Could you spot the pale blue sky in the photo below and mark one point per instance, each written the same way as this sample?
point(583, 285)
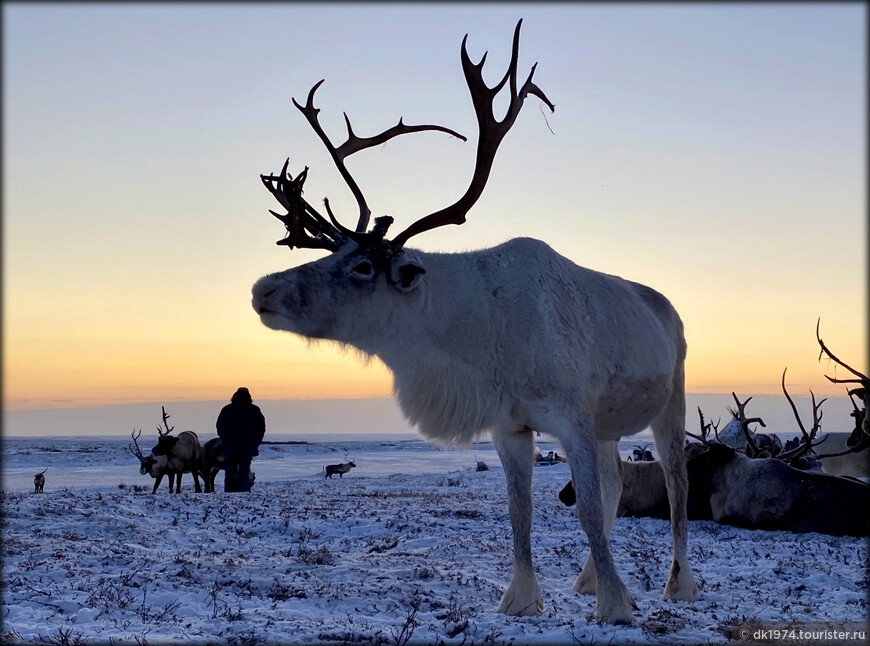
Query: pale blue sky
point(714, 152)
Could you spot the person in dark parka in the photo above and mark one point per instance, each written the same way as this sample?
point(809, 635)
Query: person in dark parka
point(241, 427)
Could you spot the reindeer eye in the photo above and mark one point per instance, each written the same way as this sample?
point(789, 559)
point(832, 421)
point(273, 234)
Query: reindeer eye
point(363, 269)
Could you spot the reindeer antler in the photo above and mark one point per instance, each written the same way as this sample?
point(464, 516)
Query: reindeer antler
point(806, 443)
point(862, 393)
point(307, 228)
point(862, 379)
point(355, 144)
point(740, 415)
point(137, 451)
point(705, 430)
point(491, 133)
point(169, 428)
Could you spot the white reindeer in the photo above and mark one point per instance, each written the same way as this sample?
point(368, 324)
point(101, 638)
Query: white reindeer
point(510, 340)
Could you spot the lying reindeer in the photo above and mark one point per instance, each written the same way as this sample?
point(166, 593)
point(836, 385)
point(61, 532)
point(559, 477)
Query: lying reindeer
point(39, 481)
point(762, 493)
point(730, 488)
point(340, 469)
point(759, 493)
point(172, 456)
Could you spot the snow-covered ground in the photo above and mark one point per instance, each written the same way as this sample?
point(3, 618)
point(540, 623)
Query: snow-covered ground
point(412, 543)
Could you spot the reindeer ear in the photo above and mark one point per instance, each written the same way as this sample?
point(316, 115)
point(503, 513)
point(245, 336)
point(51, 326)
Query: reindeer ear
point(406, 271)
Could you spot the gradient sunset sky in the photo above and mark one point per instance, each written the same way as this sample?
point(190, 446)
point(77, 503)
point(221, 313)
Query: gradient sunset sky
point(713, 152)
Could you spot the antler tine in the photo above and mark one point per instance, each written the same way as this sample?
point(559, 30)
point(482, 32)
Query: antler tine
point(137, 451)
point(704, 430)
point(741, 407)
point(169, 428)
point(306, 228)
point(793, 407)
point(862, 378)
point(852, 394)
point(807, 438)
point(355, 144)
point(744, 422)
point(490, 134)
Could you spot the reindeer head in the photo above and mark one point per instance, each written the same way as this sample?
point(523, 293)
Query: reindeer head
point(146, 463)
point(366, 266)
point(155, 462)
point(166, 440)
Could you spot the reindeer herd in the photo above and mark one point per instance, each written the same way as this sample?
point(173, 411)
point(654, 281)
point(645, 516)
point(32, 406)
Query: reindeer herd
point(174, 455)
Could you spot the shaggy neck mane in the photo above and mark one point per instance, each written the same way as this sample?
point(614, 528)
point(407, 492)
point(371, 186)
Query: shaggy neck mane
point(449, 406)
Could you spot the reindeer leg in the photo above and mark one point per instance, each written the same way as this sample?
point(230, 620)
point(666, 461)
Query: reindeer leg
point(670, 434)
point(157, 484)
point(196, 486)
point(515, 450)
point(610, 478)
point(615, 604)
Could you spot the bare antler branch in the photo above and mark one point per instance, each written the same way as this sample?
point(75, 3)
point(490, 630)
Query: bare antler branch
point(491, 133)
point(306, 228)
point(740, 415)
point(705, 429)
point(169, 428)
point(858, 440)
point(355, 144)
point(862, 379)
point(806, 443)
point(134, 448)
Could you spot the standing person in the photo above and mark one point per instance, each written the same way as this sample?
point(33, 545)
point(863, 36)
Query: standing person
point(241, 427)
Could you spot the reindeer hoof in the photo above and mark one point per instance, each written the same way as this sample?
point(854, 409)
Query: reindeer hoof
point(616, 607)
point(681, 584)
point(587, 581)
point(521, 599)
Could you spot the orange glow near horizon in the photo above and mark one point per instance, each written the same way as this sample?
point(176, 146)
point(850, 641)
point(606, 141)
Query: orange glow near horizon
point(45, 374)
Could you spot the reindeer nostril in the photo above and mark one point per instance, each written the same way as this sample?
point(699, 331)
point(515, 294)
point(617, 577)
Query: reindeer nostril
point(269, 293)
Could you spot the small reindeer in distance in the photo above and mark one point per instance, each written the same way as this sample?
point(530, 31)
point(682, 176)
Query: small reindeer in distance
point(39, 481)
point(340, 469)
point(172, 455)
